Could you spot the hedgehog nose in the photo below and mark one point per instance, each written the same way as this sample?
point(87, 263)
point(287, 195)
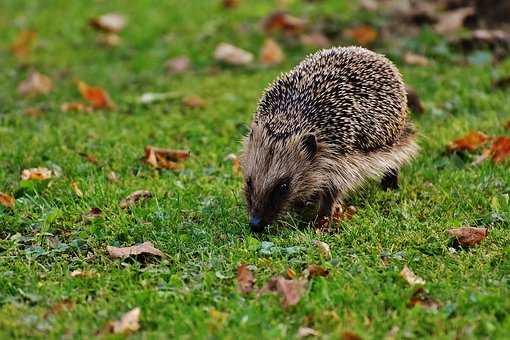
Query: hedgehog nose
point(256, 224)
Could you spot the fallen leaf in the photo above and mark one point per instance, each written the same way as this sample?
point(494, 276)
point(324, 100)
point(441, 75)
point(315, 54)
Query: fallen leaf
point(500, 149)
point(177, 65)
point(323, 248)
point(7, 200)
point(35, 84)
point(65, 305)
point(75, 106)
point(97, 97)
point(143, 248)
point(271, 53)
point(21, 46)
point(291, 274)
point(109, 39)
point(33, 112)
point(79, 273)
point(347, 335)
point(363, 35)
point(411, 277)
point(129, 323)
point(469, 142)
point(230, 3)
point(164, 158)
point(236, 163)
point(245, 279)
point(453, 20)
point(282, 22)
point(194, 102)
point(314, 270)
point(416, 59)
point(420, 297)
point(413, 100)
point(468, 236)
point(110, 22)
point(315, 39)
point(76, 189)
point(36, 174)
point(230, 54)
point(304, 332)
point(135, 197)
point(94, 212)
point(291, 291)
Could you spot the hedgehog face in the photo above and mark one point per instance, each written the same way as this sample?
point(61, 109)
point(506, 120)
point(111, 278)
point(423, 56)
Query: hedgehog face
point(278, 173)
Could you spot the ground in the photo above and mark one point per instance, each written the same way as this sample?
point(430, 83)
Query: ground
point(197, 215)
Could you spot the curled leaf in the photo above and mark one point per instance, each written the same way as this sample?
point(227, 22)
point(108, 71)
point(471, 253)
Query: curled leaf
point(411, 277)
point(500, 149)
point(363, 35)
point(143, 248)
point(283, 22)
point(110, 22)
point(36, 174)
point(135, 197)
point(164, 158)
point(291, 291)
point(230, 54)
point(129, 323)
point(7, 200)
point(245, 279)
point(271, 53)
point(468, 236)
point(97, 97)
point(35, 84)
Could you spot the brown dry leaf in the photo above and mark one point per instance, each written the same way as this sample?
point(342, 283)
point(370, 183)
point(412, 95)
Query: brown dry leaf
point(420, 297)
point(236, 163)
point(65, 305)
point(291, 291)
point(177, 65)
point(79, 273)
point(194, 102)
point(36, 174)
point(98, 98)
point(468, 236)
point(164, 158)
point(35, 84)
point(75, 106)
point(416, 59)
point(76, 189)
point(413, 100)
point(33, 112)
point(7, 200)
point(135, 197)
point(363, 35)
point(314, 270)
point(230, 54)
point(109, 39)
point(22, 45)
point(245, 279)
point(94, 212)
point(500, 149)
point(110, 22)
point(453, 20)
point(323, 248)
point(347, 335)
point(129, 323)
point(291, 273)
point(230, 3)
point(271, 53)
point(283, 22)
point(411, 277)
point(304, 332)
point(469, 142)
point(143, 248)
point(315, 39)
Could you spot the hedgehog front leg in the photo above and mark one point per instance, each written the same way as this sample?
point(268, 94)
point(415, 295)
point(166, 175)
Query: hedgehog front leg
point(328, 205)
point(390, 180)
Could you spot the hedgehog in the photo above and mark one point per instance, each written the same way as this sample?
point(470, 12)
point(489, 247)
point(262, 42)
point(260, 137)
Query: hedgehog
point(321, 130)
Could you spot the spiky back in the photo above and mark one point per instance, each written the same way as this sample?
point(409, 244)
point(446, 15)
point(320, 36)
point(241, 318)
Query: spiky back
point(349, 97)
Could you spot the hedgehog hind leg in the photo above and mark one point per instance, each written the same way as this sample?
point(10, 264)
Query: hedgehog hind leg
point(389, 180)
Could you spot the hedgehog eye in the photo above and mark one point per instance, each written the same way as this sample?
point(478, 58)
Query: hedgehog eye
point(283, 186)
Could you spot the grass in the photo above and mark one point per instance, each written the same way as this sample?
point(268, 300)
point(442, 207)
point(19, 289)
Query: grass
point(197, 215)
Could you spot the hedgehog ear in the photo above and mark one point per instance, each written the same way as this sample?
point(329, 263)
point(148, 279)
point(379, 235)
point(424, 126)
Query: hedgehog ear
point(310, 146)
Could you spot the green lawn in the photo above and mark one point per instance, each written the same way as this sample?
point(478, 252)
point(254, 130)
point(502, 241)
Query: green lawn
point(197, 216)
